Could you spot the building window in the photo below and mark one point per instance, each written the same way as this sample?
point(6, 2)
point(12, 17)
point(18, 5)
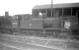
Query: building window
point(49, 12)
point(67, 12)
point(74, 11)
point(42, 12)
point(58, 12)
point(35, 12)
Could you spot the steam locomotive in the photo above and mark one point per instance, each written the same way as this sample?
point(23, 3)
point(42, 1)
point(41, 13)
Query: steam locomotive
point(61, 20)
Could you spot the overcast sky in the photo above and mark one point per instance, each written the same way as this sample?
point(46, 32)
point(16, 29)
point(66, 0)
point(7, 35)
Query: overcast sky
point(25, 6)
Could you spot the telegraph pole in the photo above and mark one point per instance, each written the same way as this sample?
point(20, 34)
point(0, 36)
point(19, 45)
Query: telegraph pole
point(51, 7)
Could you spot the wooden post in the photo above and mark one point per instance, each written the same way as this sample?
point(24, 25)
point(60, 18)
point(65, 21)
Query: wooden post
point(62, 21)
point(71, 11)
point(62, 11)
point(19, 23)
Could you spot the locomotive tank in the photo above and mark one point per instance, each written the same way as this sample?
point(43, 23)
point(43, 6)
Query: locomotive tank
point(54, 23)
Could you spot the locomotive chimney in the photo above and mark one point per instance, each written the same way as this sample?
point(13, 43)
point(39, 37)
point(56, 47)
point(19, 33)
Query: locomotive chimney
point(6, 14)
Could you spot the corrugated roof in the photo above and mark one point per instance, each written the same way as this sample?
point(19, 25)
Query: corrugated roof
point(57, 6)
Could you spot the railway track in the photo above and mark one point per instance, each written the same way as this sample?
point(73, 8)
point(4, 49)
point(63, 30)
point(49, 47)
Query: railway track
point(43, 42)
